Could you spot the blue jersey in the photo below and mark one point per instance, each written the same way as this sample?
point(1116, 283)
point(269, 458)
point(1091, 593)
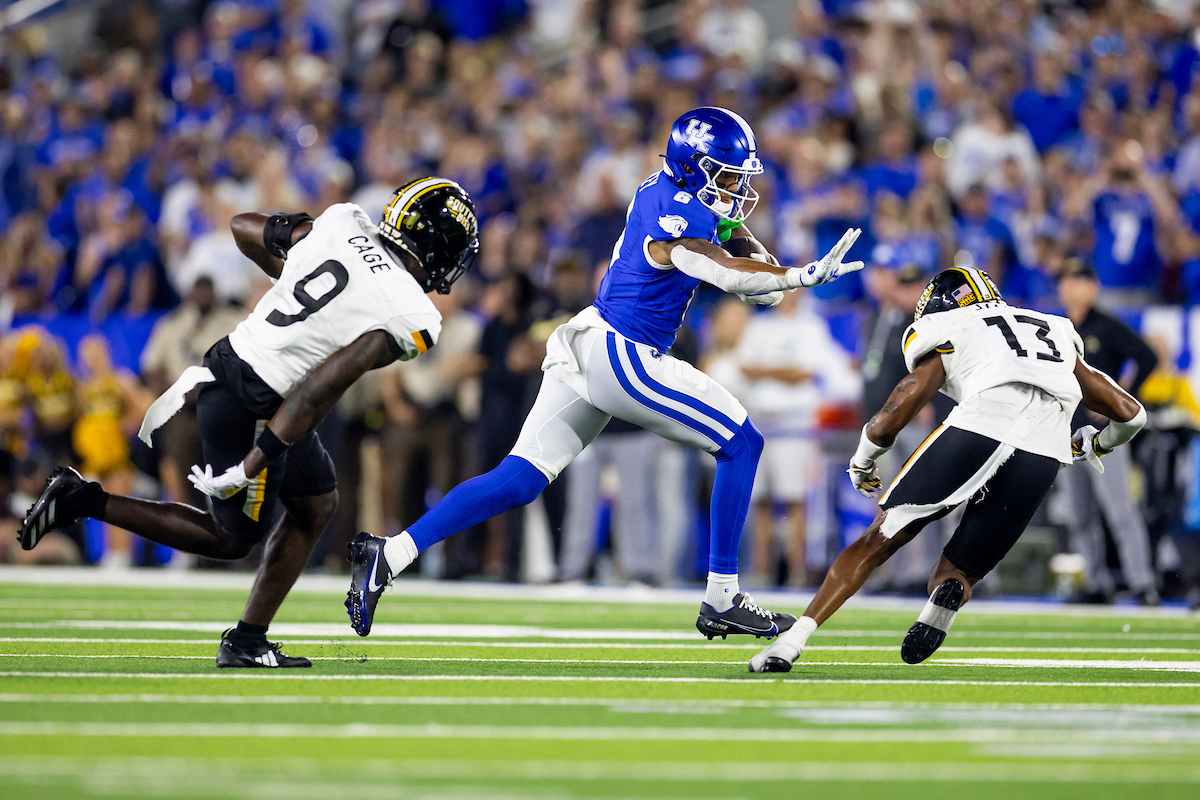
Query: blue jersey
point(1124, 254)
point(645, 301)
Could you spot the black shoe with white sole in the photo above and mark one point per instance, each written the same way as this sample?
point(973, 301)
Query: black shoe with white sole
point(263, 655)
point(60, 504)
point(369, 576)
point(745, 617)
point(930, 630)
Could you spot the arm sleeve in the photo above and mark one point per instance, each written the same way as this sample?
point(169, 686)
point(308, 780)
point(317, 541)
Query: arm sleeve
point(703, 268)
point(922, 337)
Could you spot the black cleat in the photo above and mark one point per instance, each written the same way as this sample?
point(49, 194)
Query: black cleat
point(53, 509)
point(369, 576)
point(775, 664)
point(745, 617)
point(267, 655)
point(923, 639)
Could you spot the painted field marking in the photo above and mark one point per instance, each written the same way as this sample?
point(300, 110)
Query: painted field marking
point(296, 675)
point(452, 632)
point(377, 773)
point(359, 730)
point(600, 702)
point(848, 648)
point(1015, 663)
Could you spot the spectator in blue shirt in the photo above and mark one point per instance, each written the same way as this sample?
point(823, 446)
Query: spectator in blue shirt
point(988, 240)
point(894, 168)
point(1085, 146)
point(1049, 108)
point(1125, 255)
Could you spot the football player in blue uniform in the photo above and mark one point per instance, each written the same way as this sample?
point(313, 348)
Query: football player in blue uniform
point(611, 360)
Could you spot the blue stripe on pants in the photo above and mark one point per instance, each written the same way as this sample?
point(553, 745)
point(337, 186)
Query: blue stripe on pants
point(639, 369)
point(630, 390)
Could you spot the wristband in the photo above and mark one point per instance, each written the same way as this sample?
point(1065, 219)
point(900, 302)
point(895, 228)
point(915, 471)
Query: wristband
point(868, 451)
point(277, 233)
point(270, 444)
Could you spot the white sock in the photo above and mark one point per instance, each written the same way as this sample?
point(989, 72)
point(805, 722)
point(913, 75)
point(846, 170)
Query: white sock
point(721, 591)
point(400, 551)
point(797, 635)
point(788, 646)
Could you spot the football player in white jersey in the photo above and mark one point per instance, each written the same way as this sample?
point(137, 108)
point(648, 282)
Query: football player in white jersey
point(1017, 376)
point(349, 296)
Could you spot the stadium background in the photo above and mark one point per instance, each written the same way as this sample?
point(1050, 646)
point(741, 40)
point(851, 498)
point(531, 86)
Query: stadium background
point(1009, 135)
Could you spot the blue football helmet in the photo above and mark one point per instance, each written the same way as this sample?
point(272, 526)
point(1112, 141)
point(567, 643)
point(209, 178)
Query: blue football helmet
point(713, 152)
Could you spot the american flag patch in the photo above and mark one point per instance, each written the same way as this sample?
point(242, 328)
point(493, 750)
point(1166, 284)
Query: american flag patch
point(962, 294)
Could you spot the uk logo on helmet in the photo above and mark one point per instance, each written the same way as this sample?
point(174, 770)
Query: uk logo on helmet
point(697, 134)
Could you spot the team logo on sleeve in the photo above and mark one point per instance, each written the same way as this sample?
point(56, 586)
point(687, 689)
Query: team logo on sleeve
point(673, 224)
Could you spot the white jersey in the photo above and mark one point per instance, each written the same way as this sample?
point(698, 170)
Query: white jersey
point(1011, 370)
point(338, 283)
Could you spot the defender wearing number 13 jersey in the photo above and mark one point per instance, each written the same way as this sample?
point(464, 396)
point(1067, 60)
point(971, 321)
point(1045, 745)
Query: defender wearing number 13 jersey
point(1018, 377)
point(1012, 373)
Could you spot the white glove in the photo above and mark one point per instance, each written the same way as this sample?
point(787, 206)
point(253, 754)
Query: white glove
point(1084, 447)
point(865, 476)
point(227, 484)
point(830, 268)
point(763, 298)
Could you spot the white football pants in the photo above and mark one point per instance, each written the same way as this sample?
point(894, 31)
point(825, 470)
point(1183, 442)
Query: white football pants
point(593, 373)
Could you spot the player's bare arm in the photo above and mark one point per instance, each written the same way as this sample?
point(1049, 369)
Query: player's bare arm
point(1104, 396)
point(906, 400)
point(304, 408)
point(252, 237)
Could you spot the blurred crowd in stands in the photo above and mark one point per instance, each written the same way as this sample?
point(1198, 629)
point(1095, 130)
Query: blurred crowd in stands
point(1013, 135)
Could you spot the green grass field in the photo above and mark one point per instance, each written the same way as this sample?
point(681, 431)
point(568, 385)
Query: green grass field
point(110, 691)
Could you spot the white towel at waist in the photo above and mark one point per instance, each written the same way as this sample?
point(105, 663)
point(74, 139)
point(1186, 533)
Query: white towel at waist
point(169, 403)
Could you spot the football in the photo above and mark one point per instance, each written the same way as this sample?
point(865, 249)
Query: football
point(748, 247)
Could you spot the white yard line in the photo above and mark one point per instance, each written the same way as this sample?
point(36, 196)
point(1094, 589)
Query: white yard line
point(849, 648)
point(360, 730)
point(310, 676)
point(1016, 663)
point(408, 632)
point(650, 704)
point(372, 775)
point(336, 585)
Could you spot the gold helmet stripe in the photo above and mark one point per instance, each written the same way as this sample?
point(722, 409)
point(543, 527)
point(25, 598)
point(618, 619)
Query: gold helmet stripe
point(966, 271)
point(398, 207)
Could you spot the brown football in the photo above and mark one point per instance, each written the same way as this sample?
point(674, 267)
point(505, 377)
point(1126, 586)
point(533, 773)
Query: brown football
point(745, 247)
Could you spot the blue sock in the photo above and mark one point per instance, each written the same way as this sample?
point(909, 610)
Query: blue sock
point(514, 482)
point(737, 462)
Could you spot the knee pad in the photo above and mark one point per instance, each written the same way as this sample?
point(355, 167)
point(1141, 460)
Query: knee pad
point(523, 482)
point(747, 442)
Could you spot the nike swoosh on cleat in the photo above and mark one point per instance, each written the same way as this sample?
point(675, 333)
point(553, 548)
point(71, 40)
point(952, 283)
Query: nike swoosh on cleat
point(372, 586)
